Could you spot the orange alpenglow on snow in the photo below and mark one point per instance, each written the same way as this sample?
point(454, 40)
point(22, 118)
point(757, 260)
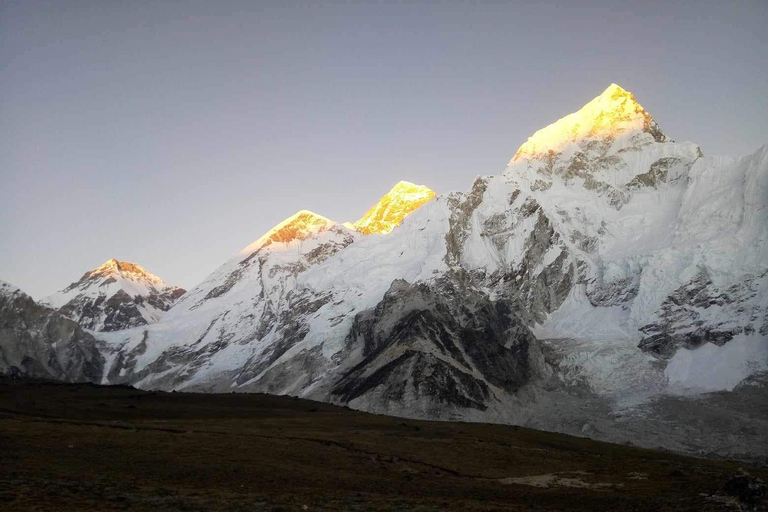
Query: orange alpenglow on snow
point(125, 269)
point(299, 226)
point(614, 112)
point(391, 209)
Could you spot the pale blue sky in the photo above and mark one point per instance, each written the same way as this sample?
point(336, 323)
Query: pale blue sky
point(172, 134)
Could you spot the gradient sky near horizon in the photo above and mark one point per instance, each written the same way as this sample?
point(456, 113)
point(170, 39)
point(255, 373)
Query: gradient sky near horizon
point(174, 133)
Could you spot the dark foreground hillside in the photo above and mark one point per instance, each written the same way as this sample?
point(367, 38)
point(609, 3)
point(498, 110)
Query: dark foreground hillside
point(84, 447)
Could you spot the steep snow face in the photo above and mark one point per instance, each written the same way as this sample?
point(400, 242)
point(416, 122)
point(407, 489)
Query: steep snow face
point(266, 269)
point(117, 295)
point(668, 247)
point(241, 318)
point(715, 368)
point(391, 209)
point(711, 285)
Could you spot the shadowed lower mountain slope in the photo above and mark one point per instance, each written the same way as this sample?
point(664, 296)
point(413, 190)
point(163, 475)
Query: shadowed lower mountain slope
point(36, 341)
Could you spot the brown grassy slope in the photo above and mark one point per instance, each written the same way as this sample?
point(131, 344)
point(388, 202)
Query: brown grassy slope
point(84, 447)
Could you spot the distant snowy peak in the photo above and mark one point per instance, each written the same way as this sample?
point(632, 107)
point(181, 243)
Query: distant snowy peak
point(130, 277)
point(613, 113)
point(113, 270)
point(114, 296)
point(299, 226)
point(392, 208)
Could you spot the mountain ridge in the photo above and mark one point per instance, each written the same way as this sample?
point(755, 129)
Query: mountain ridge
point(610, 267)
point(550, 253)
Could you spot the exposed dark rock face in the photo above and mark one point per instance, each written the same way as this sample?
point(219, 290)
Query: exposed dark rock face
point(613, 292)
point(414, 376)
point(38, 342)
point(437, 347)
point(541, 290)
point(683, 315)
point(120, 311)
point(324, 251)
point(658, 173)
point(462, 207)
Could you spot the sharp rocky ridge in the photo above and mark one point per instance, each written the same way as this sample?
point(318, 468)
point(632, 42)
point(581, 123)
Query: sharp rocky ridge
point(607, 273)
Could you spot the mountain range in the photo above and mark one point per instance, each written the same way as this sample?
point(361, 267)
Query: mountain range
point(611, 282)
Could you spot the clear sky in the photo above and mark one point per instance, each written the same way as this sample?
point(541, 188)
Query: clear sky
point(174, 133)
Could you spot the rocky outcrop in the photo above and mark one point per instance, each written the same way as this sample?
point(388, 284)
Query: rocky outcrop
point(749, 490)
point(701, 312)
point(435, 348)
point(38, 342)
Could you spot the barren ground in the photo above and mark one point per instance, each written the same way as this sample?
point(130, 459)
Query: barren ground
point(85, 447)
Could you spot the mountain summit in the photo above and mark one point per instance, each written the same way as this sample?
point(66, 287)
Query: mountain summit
point(115, 295)
point(392, 208)
point(614, 112)
point(608, 151)
point(298, 226)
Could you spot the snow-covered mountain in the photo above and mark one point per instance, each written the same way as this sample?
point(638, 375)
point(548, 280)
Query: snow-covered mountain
point(600, 228)
point(667, 246)
point(116, 295)
point(605, 272)
point(391, 209)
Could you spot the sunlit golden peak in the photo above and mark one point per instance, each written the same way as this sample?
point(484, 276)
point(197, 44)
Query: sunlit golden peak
point(392, 208)
point(614, 112)
point(125, 268)
point(298, 226)
point(614, 89)
point(114, 264)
